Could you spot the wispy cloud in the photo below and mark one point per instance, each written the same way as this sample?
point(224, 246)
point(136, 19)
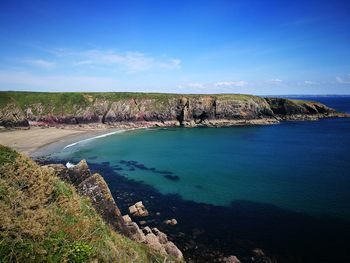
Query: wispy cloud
point(240, 83)
point(130, 61)
point(40, 63)
point(221, 85)
point(343, 80)
point(274, 81)
point(55, 82)
point(309, 82)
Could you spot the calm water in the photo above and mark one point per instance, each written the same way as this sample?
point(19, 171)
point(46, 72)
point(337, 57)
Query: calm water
point(299, 166)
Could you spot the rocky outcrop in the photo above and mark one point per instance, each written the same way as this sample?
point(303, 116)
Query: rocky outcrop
point(287, 109)
point(11, 116)
point(95, 187)
point(118, 109)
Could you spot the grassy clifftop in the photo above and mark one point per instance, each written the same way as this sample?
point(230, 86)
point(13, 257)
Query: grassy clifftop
point(66, 101)
point(43, 219)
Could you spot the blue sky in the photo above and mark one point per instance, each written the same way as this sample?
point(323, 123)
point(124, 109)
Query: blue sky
point(258, 47)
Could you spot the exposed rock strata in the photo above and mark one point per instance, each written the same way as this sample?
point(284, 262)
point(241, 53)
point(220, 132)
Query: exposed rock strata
point(172, 110)
point(95, 187)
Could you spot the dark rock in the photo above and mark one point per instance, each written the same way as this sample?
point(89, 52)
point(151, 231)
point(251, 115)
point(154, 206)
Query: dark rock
point(96, 188)
point(76, 174)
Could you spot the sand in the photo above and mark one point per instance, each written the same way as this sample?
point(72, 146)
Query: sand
point(29, 141)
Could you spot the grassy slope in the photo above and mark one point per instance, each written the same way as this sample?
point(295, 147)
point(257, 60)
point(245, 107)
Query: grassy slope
point(43, 219)
point(65, 101)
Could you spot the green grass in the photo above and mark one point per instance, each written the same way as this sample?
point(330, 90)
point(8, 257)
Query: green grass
point(68, 101)
point(7, 155)
point(43, 219)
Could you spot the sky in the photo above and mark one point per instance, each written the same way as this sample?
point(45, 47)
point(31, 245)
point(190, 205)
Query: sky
point(256, 47)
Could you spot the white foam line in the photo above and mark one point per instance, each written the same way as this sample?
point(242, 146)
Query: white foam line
point(93, 138)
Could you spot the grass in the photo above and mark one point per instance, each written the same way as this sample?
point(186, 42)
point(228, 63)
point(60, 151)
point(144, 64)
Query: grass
point(69, 102)
point(43, 219)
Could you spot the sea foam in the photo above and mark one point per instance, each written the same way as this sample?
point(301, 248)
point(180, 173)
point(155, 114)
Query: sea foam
point(93, 138)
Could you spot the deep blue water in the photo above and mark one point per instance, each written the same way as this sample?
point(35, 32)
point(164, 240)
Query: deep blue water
point(283, 188)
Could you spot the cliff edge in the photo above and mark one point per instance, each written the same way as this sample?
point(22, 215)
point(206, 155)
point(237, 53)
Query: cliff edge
point(23, 109)
point(47, 219)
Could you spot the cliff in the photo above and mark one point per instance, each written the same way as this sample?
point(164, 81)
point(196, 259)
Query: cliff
point(56, 214)
point(22, 109)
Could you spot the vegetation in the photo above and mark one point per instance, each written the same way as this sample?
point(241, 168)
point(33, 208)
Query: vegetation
point(43, 219)
point(68, 102)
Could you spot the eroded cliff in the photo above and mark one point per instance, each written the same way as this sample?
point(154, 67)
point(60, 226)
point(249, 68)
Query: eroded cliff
point(21, 109)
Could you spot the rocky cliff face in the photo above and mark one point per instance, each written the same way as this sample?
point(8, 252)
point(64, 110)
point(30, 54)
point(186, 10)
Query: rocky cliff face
point(181, 110)
point(296, 109)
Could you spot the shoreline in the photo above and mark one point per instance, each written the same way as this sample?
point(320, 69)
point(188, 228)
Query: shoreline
point(37, 141)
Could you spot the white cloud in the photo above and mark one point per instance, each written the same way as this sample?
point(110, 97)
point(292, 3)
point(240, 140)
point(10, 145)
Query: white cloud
point(222, 85)
point(343, 80)
point(192, 85)
point(41, 63)
point(275, 81)
point(171, 64)
point(130, 61)
point(240, 83)
point(55, 82)
point(309, 82)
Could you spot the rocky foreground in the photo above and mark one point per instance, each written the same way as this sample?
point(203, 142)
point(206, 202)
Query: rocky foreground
point(95, 187)
point(24, 109)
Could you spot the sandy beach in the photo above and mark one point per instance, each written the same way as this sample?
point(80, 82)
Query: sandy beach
point(31, 140)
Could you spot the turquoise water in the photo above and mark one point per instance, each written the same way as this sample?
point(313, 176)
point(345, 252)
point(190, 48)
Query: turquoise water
point(299, 166)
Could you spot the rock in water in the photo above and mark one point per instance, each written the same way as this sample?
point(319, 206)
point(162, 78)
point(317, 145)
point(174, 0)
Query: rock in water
point(171, 222)
point(138, 209)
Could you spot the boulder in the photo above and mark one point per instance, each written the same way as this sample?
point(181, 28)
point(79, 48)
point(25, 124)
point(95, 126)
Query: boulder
point(153, 242)
point(163, 239)
point(135, 232)
point(127, 219)
point(171, 222)
point(138, 209)
point(173, 250)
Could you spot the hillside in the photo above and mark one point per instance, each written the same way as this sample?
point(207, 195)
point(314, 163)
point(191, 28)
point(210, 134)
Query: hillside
point(44, 219)
point(21, 109)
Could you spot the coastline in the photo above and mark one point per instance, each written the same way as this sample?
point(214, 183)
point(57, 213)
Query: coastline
point(37, 141)
point(189, 235)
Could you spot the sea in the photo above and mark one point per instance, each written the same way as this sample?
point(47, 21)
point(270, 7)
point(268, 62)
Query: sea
point(282, 188)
